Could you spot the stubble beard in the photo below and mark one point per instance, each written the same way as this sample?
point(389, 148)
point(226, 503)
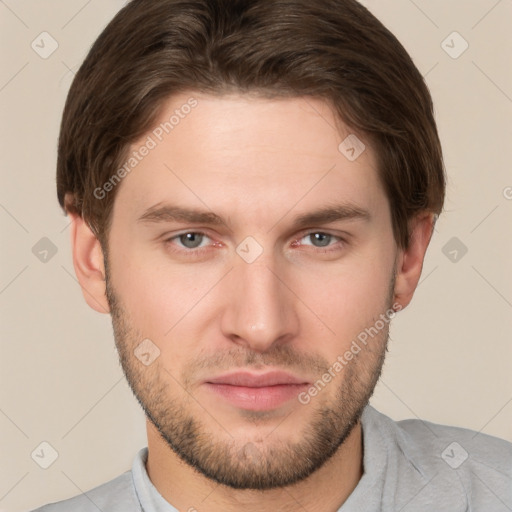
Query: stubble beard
point(237, 463)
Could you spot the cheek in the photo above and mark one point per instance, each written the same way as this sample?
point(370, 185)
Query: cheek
point(158, 301)
point(348, 296)
point(154, 297)
point(162, 301)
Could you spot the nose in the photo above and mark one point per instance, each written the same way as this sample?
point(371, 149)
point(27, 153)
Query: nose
point(260, 310)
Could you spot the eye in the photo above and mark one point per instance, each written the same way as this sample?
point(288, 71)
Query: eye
point(189, 240)
point(195, 243)
point(320, 239)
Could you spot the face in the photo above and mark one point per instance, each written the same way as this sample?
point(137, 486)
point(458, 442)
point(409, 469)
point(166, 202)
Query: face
point(250, 253)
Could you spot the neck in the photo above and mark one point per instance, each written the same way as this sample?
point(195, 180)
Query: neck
point(186, 489)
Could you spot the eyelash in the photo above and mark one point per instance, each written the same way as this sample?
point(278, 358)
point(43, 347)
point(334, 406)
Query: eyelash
point(197, 252)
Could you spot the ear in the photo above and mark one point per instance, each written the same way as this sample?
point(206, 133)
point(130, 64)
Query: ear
point(89, 264)
point(410, 260)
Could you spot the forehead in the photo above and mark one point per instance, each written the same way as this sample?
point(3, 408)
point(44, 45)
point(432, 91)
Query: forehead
point(241, 155)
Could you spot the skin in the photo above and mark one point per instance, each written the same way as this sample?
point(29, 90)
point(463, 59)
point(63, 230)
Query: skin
point(258, 164)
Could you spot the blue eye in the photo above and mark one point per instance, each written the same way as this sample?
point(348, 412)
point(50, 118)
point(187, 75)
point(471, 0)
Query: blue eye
point(195, 244)
point(190, 240)
point(319, 239)
point(190, 243)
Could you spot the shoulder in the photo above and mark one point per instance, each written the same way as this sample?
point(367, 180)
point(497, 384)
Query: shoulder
point(475, 466)
point(117, 495)
point(458, 447)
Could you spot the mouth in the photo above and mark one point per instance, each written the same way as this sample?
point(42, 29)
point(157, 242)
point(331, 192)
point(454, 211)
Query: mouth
point(256, 392)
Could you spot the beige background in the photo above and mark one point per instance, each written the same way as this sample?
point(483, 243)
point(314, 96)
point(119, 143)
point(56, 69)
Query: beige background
point(450, 355)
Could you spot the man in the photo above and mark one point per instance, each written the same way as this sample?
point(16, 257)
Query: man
point(253, 187)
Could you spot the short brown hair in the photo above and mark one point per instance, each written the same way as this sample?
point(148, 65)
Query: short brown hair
point(331, 49)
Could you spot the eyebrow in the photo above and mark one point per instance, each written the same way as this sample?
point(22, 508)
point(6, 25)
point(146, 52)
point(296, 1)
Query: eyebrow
point(161, 213)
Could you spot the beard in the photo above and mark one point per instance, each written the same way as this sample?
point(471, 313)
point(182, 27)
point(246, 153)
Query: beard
point(242, 463)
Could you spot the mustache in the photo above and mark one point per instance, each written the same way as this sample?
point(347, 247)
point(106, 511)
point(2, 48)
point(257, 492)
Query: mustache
point(281, 356)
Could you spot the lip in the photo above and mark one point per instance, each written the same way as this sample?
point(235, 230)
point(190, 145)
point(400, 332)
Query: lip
point(257, 392)
point(257, 380)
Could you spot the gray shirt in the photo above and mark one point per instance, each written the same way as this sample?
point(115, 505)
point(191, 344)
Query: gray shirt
point(410, 465)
